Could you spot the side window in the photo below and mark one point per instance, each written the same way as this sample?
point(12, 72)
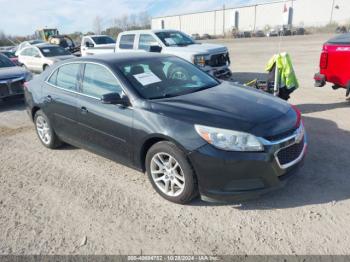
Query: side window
point(34, 52)
point(25, 52)
point(146, 41)
point(127, 42)
point(87, 40)
point(53, 78)
point(67, 76)
point(99, 81)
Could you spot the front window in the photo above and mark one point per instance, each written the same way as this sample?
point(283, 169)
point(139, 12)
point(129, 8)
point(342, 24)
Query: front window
point(161, 77)
point(5, 62)
point(175, 38)
point(50, 51)
point(99, 81)
point(146, 41)
point(9, 54)
point(103, 40)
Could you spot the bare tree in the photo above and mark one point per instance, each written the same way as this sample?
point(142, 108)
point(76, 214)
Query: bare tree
point(97, 25)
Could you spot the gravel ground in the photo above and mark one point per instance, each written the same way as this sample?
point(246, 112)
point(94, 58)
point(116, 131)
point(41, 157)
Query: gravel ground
point(69, 201)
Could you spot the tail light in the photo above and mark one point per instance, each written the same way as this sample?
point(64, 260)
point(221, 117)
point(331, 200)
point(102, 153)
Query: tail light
point(324, 60)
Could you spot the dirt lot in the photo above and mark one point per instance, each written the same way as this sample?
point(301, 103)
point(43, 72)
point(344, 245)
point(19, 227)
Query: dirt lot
point(70, 201)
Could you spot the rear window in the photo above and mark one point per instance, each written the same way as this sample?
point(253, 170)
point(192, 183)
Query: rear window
point(103, 40)
point(127, 42)
point(340, 39)
point(67, 76)
point(50, 51)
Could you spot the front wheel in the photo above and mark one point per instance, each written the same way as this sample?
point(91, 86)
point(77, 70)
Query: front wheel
point(170, 173)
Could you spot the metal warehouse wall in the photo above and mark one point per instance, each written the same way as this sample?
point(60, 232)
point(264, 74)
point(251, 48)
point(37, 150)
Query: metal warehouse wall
point(216, 22)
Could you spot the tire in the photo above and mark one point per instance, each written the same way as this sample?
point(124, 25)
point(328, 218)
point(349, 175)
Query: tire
point(180, 168)
point(46, 134)
point(45, 67)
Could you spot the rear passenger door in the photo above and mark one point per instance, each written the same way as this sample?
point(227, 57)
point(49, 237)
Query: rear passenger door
point(60, 101)
point(104, 128)
point(126, 43)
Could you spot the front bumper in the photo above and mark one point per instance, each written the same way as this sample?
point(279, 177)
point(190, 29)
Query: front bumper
point(233, 176)
point(11, 88)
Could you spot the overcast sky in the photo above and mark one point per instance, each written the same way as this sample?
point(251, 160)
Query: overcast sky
point(23, 17)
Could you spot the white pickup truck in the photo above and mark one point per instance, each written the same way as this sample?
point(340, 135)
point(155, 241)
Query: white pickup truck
point(97, 44)
point(211, 58)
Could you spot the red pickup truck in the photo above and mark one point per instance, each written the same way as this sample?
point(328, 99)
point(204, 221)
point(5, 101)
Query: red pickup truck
point(335, 63)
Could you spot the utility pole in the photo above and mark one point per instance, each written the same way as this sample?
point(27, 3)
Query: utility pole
point(331, 20)
point(223, 21)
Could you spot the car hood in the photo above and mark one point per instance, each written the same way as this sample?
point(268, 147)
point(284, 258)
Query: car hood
point(198, 49)
point(231, 107)
point(12, 72)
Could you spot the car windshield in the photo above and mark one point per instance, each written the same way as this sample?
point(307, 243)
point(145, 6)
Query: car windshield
point(103, 40)
point(175, 38)
point(162, 77)
point(50, 51)
point(8, 54)
point(5, 62)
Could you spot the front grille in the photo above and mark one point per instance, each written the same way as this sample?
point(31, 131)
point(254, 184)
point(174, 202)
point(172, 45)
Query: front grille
point(291, 153)
point(281, 135)
point(15, 88)
point(219, 60)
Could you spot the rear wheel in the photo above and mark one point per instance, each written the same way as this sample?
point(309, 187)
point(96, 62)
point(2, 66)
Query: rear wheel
point(170, 173)
point(45, 67)
point(45, 132)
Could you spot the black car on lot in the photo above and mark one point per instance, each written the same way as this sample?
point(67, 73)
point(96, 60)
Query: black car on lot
point(191, 133)
point(12, 78)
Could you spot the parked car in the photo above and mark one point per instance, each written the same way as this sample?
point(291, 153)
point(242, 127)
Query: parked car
point(39, 58)
point(12, 78)
point(97, 44)
point(195, 36)
point(259, 33)
point(272, 33)
point(191, 134)
point(25, 44)
point(335, 63)
point(211, 58)
point(206, 36)
point(11, 56)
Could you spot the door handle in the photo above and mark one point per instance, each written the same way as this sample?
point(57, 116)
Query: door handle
point(48, 99)
point(84, 110)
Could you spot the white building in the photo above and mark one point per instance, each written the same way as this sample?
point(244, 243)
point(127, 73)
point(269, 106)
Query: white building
point(258, 16)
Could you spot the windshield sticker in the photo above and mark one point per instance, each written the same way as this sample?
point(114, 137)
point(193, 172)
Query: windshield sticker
point(147, 78)
point(170, 41)
point(46, 50)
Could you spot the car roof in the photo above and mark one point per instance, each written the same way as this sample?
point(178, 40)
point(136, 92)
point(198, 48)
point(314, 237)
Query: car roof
point(112, 59)
point(148, 31)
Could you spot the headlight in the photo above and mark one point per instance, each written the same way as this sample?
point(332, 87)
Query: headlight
point(200, 60)
point(229, 140)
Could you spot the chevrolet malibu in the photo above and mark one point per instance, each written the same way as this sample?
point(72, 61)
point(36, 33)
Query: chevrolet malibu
point(192, 134)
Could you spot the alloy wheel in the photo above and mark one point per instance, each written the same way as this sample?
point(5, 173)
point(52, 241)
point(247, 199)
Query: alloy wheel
point(43, 129)
point(167, 174)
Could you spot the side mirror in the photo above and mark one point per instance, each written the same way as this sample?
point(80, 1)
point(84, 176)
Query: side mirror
point(155, 49)
point(115, 99)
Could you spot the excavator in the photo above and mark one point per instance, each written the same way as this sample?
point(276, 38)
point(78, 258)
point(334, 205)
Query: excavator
point(52, 36)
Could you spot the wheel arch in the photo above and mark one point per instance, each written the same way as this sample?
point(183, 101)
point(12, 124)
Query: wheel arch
point(149, 142)
point(34, 110)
